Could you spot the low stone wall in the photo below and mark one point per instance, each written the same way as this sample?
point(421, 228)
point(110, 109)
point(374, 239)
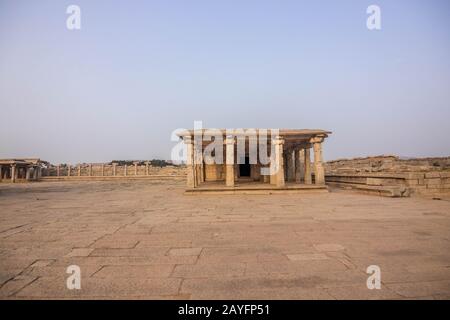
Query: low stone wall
point(429, 183)
point(391, 176)
point(108, 171)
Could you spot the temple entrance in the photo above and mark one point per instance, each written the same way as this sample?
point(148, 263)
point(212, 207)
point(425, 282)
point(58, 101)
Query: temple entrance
point(244, 168)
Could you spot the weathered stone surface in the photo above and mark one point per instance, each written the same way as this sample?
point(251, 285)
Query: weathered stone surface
point(185, 251)
point(80, 252)
point(131, 242)
point(328, 247)
point(306, 256)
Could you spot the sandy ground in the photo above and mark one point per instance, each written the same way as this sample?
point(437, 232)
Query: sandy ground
point(144, 239)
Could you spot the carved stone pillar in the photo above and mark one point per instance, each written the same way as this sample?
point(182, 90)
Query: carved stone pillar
point(229, 161)
point(197, 157)
point(290, 166)
point(189, 162)
point(256, 172)
point(308, 179)
point(13, 173)
point(299, 165)
point(279, 162)
point(319, 173)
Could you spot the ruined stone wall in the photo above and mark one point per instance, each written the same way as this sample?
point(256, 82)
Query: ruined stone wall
point(107, 171)
point(392, 164)
point(391, 175)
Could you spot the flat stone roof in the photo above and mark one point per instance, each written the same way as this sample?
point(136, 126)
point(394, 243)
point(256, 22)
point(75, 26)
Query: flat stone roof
point(245, 131)
point(21, 161)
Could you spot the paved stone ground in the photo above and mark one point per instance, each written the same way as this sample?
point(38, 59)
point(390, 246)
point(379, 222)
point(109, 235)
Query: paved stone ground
point(142, 239)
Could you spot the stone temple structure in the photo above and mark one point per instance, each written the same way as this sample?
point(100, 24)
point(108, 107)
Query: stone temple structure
point(21, 169)
point(244, 169)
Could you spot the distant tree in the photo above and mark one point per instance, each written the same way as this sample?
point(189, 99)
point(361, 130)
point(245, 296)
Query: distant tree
point(153, 162)
point(158, 163)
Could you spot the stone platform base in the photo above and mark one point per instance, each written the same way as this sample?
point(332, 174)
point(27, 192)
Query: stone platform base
point(255, 188)
point(384, 191)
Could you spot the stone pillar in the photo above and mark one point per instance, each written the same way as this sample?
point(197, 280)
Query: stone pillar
point(28, 173)
point(299, 155)
point(189, 162)
point(114, 169)
point(125, 170)
point(68, 170)
point(272, 179)
point(307, 166)
point(202, 171)
point(272, 176)
point(103, 169)
point(58, 170)
point(39, 170)
point(90, 170)
point(279, 161)
point(13, 173)
point(266, 178)
point(198, 159)
point(230, 172)
point(147, 169)
point(255, 172)
point(79, 170)
point(319, 173)
point(198, 168)
point(291, 166)
point(135, 169)
point(197, 174)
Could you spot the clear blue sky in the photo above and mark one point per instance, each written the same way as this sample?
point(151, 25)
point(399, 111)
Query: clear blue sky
point(137, 70)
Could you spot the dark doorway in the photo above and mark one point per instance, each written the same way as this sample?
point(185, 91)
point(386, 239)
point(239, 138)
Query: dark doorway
point(244, 168)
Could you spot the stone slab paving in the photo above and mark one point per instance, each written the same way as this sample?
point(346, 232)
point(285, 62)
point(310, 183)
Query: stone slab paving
point(147, 240)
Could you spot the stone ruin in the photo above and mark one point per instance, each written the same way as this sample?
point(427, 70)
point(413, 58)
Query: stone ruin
point(391, 175)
